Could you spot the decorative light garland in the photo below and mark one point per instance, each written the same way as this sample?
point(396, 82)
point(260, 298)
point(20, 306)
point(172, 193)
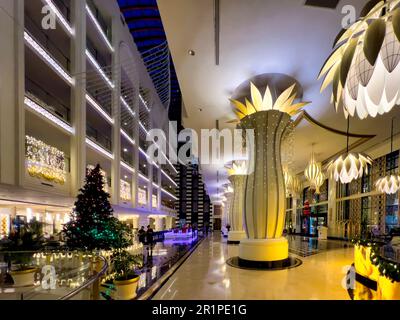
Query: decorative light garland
point(388, 269)
point(125, 190)
point(44, 161)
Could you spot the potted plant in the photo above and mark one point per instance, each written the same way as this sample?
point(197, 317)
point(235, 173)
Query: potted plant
point(22, 243)
point(125, 280)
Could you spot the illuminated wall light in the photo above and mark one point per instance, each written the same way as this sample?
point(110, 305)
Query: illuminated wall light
point(98, 27)
point(154, 201)
point(126, 105)
point(49, 116)
point(125, 190)
point(127, 137)
point(170, 194)
point(99, 109)
point(47, 58)
point(142, 196)
point(127, 167)
point(99, 69)
point(98, 148)
point(60, 17)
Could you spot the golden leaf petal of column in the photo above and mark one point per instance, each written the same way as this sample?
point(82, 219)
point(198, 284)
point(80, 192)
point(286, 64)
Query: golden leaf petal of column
point(256, 96)
point(267, 103)
point(250, 108)
point(347, 60)
point(283, 97)
point(373, 40)
point(295, 108)
point(233, 121)
point(240, 106)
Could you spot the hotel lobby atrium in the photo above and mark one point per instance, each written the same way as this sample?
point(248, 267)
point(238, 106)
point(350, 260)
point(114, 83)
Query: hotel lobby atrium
point(199, 150)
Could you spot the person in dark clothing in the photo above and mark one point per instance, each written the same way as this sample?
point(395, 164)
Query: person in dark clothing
point(142, 235)
point(150, 241)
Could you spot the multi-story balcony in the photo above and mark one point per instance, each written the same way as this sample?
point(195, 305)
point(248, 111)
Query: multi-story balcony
point(98, 137)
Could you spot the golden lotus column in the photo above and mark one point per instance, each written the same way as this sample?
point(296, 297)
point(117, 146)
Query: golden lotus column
point(237, 233)
point(264, 196)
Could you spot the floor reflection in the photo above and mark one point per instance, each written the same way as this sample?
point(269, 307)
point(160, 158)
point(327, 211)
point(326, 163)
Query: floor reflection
point(307, 246)
point(159, 260)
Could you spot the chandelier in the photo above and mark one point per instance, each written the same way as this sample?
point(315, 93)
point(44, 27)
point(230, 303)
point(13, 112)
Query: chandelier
point(288, 181)
point(349, 166)
point(364, 66)
point(313, 170)
point(389, 184)
point(318, 182)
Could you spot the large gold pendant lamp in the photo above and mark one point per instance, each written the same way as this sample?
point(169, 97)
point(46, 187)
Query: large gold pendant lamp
point(313, 170)
point(389, 184)
point(264, 196)
point(364, 67)
point(349, 166)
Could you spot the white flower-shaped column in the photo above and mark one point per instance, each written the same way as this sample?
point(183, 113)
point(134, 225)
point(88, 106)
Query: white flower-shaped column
point(237, 233)
point(264, 196)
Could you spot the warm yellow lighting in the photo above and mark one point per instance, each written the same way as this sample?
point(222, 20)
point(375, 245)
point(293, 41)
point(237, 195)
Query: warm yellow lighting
point(318, 182)
point(313, 171)
point(44, 161)
point(288, 181)
point(364, 67)
point(349, 167)
point(238, 168)
point(283, 103)
point(389, 184)
point(125, 190)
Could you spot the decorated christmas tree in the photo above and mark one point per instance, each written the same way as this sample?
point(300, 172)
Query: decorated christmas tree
point(92, 225)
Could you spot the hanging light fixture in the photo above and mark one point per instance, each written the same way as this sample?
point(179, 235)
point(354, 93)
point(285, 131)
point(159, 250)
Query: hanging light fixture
point(288, 177)
point(349, 166)
point(389, 184)
point(364, 67)
point(313, 169)
point(297, 186)
point(319, 181)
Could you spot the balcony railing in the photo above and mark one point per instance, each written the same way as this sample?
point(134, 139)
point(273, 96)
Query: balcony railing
point(100, 138)
point(43, 39)
point(46, 100)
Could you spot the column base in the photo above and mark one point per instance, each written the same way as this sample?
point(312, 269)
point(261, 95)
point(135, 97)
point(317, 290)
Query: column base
point(264, 250)
point(234, 237)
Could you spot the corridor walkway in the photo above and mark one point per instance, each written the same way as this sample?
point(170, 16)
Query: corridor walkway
point(205, 274)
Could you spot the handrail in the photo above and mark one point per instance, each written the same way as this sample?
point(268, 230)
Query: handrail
point(90, 281)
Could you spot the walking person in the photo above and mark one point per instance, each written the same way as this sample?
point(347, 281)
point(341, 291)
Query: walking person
point(150, 240)
point(142, 235)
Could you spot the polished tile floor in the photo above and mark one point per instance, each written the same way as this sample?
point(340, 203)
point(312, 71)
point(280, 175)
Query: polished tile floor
point(205, 274)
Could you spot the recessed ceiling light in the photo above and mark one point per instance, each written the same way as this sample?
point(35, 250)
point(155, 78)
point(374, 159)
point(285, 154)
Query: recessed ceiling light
point(126, 177)
point(191, 52)
point(125, 150)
